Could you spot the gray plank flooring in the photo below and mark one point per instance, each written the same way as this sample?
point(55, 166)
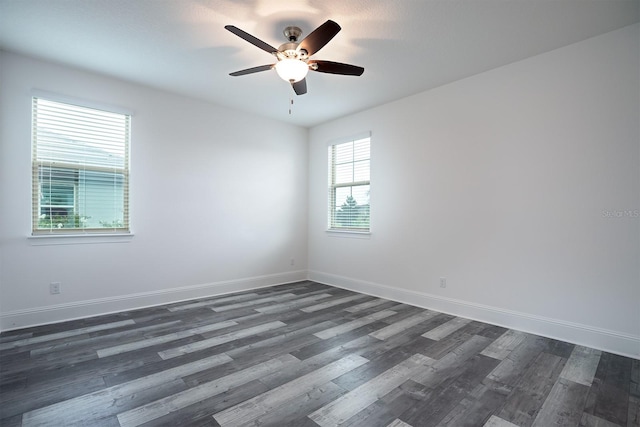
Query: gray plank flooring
point(306, 354)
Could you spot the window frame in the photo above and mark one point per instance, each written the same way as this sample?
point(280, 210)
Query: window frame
point(88, 234)
point(333, 186)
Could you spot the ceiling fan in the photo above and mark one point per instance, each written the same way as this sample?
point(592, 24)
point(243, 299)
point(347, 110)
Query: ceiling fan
point(293, 57)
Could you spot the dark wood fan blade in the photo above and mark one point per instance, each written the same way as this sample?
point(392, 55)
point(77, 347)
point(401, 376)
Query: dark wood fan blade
point(251, 39)
point(252, 70)
point(336, 68)
point(300, 87)
point(319, 37)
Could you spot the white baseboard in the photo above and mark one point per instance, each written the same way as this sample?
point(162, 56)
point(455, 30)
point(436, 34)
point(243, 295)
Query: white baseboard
point(589, 336)
point(18, 319)
point(602, 339)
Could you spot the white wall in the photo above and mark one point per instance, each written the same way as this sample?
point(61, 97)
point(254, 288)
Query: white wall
point(218, 203)
point(502, 183)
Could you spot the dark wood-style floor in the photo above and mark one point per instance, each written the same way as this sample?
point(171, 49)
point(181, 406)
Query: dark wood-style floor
point(306, 354)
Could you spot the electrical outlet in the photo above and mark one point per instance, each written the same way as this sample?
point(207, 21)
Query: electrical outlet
point(54, 288)
point(443, 282)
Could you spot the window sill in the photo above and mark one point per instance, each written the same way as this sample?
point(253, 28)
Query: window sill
point(349, 234)
point(78, 239)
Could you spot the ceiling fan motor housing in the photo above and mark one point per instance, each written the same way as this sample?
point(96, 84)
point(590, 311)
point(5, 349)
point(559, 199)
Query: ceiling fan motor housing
point(290, 50)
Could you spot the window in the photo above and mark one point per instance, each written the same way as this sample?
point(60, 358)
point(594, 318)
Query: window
point(80, 169)
point(349, 185)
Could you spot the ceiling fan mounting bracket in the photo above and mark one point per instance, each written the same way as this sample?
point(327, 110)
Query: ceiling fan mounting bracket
point(292, 33)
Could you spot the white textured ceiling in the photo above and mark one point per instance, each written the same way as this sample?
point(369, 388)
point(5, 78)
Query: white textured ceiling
point(405, 46)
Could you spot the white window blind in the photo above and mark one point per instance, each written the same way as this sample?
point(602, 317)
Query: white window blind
point(349, 185)
point(80, 167)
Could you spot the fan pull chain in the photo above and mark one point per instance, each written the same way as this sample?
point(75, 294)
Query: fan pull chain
point(290, 105)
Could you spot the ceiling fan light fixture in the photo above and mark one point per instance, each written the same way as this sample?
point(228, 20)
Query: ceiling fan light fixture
point(292, 70)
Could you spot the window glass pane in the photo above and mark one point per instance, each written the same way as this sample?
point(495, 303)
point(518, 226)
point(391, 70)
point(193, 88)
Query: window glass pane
point(101, 199)
point(361, 149)
point(80, 162)
point(352, 207)
point(80, 135)
point(361, 171)
point(344, 152)
point(57, 195)
point(57, 204)
point(344, 173)
point(341, 196)
point(349, 203)
point(361, 194)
